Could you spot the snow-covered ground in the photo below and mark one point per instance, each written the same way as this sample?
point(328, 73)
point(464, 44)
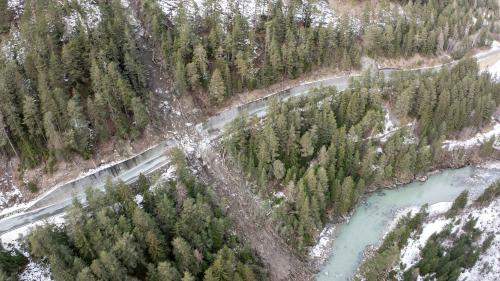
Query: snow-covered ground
point(322, 14)
point(495, 46)
point(487, 268)
point(16, 6)
point(390, 128)
point(477, 139)
point(89, 16)
point(9, 193)
point(34, 271)
point(494, 70)
point(410, 255)
point(324, 243)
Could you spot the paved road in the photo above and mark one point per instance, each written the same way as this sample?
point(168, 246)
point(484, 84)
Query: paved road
point(58, 199)
point(258, 107)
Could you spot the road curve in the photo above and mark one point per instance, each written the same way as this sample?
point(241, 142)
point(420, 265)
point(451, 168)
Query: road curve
point(56, 200)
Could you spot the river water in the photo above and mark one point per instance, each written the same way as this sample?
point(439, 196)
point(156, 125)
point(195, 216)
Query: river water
point(372, 217)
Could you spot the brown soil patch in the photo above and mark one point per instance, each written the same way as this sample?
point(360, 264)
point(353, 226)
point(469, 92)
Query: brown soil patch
point(251, 220)
point(414, 61)
point(351, 7)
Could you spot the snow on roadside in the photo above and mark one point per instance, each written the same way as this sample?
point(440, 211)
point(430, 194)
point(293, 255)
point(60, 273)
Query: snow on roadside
point(495, 45)
point(33, 271)
point(478, 139)
point(9, 239)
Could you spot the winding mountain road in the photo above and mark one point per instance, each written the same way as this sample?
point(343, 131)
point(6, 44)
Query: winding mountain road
point(56, 200)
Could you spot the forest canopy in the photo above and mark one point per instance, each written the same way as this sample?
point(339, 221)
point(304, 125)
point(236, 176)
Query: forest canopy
point(324, 149)
point(175, 231)
point(70, 87)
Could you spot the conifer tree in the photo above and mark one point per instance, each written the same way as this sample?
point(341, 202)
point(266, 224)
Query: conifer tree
point(217, 89)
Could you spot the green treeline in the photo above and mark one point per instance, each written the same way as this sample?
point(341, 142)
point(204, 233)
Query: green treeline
point(324, 149)
point(176, 233)
point(445, 255)
point(490, 194)
point(428, 27)
point(226, 54)
point(64, 91)
point(379, 266)
point(446, 101)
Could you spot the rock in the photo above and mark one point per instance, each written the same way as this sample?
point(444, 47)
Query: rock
point(422, 178)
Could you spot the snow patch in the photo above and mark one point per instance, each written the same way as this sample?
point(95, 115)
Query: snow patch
point(487, 268)
point(35, 272)
point(478, 139)
point(170, 174)
point(494, 165)
point(494, 70)
point(321, 14)
point(13, 195)
point(324, 243)
point(92, 13)
point(138, 199)
point(14, 47)
point(279, 194)
point(17, 6)
point(439, 208)
point(410, 255)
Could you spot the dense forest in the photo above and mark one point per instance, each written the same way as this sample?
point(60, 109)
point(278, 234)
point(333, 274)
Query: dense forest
point(71, 77)
point(428, 27)
point(175, 231)
point(323, 150)
point(446, 253)
point(226, 51)
point(225, 48)
point(71, 83)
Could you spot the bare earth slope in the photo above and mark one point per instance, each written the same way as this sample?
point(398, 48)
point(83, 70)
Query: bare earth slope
point(250, 219)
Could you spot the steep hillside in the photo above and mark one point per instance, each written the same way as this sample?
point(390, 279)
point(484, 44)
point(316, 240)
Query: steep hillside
point(455, 241)
point(313, 157)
